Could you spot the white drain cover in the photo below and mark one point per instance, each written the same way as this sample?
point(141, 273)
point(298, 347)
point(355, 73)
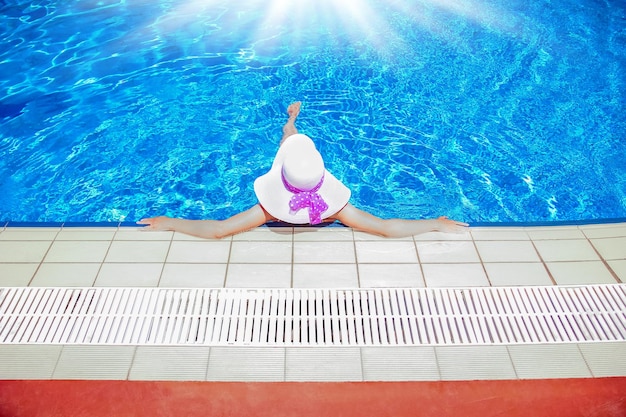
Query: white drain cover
point(316, 317)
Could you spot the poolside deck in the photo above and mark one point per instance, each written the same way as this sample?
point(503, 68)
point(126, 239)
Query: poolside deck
point(330, 257)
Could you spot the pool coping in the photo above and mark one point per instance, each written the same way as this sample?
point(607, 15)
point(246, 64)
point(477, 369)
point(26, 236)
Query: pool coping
point(555, 223)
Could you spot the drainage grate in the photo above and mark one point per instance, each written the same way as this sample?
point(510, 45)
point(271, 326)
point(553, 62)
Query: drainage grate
point(301, 317)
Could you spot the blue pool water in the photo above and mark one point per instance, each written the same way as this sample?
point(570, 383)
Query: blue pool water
point(485, 111)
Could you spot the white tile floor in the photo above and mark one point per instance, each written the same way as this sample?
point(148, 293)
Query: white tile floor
point(330, 257)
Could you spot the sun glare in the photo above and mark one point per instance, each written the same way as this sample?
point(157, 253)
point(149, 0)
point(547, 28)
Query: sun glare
point(359, 19)
point(363, 20)
point(357, 22)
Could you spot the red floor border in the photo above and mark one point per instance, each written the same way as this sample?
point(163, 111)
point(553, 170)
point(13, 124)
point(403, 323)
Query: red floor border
point(593, 397)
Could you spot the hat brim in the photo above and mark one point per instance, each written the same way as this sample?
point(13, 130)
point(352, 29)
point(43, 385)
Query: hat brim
point(274, 197)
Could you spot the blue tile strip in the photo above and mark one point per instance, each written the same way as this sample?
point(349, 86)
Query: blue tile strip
point(93, 224)
point(34, 224)
point(550, 223)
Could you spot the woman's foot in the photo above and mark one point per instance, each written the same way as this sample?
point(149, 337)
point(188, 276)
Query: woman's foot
point(294, 109)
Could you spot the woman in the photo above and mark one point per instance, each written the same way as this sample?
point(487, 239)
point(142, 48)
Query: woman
point(299, 190)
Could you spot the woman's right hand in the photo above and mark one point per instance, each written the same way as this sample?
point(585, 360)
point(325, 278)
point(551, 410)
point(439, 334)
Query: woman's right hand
point(447, 225)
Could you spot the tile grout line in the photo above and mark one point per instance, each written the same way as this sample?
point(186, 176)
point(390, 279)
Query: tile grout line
point(105, 257)
point(43, 258)
point(419, 262)
point(357, 264)
point(480, 259)
point(543, 262)
point(439, 373)
point(582, 354)
point(508, 351)
point(604, 261)
point(362, 365)
point(230, 253)
point(56, 363)
point(208, 364)
point(169, 248)
point(284, 364)
point(132, 362)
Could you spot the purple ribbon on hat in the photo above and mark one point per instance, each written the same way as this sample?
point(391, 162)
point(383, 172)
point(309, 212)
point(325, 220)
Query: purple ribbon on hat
point(307, 199)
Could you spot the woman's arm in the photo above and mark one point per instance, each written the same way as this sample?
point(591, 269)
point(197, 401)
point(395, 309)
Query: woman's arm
point(394, 228)
point(211, 229)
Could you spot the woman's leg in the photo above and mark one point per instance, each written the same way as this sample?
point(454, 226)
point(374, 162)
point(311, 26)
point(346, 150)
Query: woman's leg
point(290, 127)
point(212, 229)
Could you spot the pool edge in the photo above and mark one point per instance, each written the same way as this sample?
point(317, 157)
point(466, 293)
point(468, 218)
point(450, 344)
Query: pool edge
point(17, 224)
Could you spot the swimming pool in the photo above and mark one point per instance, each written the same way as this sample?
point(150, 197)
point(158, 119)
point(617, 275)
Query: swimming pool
point(485, 111)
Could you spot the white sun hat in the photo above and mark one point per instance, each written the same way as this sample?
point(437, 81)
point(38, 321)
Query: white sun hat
point(298, 189)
